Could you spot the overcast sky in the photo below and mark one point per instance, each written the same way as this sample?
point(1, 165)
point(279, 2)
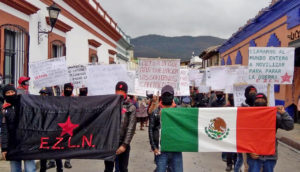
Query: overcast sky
point(218, 18)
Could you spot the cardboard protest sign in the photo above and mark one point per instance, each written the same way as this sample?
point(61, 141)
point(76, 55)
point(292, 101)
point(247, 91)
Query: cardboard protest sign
point(78, 75)
point(271, 65)
point(203, 89)
point(102, 79)
point(153, 74)
point(224, 77)
point(239, 93)
point(184, 88)
point(49, 72)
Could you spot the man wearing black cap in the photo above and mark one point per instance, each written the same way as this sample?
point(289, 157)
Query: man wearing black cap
point(283, 121)
point(163, 160)
point(9, 111)
point(128, 125)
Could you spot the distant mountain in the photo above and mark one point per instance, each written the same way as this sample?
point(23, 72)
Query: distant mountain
point(172, 47)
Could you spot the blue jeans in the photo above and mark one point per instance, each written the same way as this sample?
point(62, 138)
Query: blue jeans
point(16, 166)
point(256, 164)
point(239, 162)
point(173, 159)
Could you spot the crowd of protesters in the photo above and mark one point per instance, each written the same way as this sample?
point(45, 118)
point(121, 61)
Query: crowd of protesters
point(147, 112)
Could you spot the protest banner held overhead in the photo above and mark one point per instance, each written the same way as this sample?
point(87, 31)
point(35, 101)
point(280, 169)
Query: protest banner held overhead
point(102, 79)
point(49, 72)
point(78, 75)
point(153, 74)
point(271, 65)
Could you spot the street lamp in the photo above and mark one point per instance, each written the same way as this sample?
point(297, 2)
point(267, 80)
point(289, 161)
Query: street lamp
point(53, 15)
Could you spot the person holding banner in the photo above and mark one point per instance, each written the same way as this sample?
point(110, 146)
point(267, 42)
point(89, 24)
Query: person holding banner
point(283, 121)
point(127, 130)
point(47, 91)
point(68, 91)
point(250, 94)
point(9, 112)
point(163, 160)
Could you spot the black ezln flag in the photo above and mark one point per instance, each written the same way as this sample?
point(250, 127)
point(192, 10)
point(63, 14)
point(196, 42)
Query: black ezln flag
point(66, 127)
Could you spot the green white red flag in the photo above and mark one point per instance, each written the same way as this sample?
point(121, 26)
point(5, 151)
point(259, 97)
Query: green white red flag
point(237, 129)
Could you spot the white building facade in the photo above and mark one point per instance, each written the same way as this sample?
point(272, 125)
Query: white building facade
point(84, 33)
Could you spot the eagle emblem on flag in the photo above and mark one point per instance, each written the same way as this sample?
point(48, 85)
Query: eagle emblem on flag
point(217, 129)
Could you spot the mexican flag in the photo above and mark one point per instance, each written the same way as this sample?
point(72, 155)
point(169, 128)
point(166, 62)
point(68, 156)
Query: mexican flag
point(237, 129)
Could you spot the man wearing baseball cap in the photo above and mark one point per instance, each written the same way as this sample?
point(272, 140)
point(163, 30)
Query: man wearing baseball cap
point(23, 85)
point(163, 160)
point(127, 130)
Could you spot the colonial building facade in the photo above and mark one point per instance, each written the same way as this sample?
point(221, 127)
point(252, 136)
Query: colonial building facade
point(83, 32)
point(279, 26)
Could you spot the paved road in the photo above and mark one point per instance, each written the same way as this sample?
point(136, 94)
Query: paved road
point(141, 160)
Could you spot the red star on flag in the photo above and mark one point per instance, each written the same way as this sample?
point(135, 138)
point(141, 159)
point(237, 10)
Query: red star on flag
point(67, 127)
point(286, 78)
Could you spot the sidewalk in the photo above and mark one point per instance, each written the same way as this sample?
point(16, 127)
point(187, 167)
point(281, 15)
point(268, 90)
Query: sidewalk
point(291, 138)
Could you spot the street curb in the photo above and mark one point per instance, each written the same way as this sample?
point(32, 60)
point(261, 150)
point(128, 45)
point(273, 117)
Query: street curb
point(290, 143)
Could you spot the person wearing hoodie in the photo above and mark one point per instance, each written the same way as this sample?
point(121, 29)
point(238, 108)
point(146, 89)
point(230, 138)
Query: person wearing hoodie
point(164, 160)
point(47, 91)
point(23, 85)
point(250, 93)
point(127, 130)
point(9, 112)
point(83, 91)
point(220, 100)
point(68, 91)
point(284, 121)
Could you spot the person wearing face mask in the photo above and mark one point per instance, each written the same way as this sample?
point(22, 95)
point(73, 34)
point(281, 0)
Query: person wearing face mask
point(283, 121)
point(9, 111)
point(163, 160)
point(220, 100)
point(68, 91)
point(83, 91)
point(127, 130)
point(23, 85)
point(250, 93)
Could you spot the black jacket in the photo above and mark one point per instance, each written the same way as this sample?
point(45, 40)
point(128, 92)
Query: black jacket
point(8, 128)
point(218, 103)
point(154, 127)
point(128, 123)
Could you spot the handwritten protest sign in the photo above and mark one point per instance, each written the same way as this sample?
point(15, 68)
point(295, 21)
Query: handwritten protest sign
point(153, 74)
point(203, 89)
point(131, 81)
point(184, 88)
point(78, 75)
point(271, 65)
point(102, 79)
point(224, 77)
point(239, 93)
point(49, 72)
